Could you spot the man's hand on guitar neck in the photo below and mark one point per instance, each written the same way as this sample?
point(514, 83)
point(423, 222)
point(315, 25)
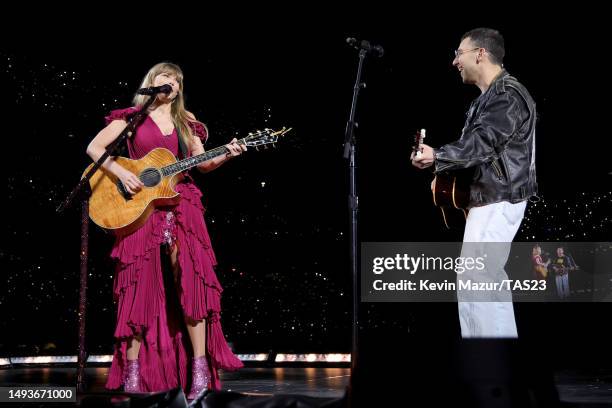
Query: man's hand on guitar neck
point(426, 159)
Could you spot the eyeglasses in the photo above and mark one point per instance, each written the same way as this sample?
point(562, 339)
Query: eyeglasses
point(461, 52)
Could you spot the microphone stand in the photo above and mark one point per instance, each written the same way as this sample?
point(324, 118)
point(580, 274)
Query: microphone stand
point(81, 193)
point(353, 203)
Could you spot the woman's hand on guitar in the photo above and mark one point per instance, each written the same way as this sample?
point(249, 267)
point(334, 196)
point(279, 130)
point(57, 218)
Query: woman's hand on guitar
point(426, 159)
point(130, 181)
point(234, 148)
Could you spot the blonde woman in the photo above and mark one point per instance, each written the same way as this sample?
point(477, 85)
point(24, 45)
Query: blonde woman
point(164, 332)
point(540, 268)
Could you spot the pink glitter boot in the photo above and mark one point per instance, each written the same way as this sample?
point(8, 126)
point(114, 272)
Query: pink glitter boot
point(200, 377)
point(132, 377)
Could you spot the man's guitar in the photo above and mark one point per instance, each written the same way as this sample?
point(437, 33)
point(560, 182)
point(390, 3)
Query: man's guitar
point(113, 208)
point(562, 270)
point(450, 190)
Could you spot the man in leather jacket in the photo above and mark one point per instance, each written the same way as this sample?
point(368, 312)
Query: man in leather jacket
point(498, 143)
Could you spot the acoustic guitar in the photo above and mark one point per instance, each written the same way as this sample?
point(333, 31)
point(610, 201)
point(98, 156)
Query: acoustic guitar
point(450, 190)
point(112, 207)
point(562, 270)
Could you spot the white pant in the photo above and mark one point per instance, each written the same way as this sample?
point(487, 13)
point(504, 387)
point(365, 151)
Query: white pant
point(498, 223)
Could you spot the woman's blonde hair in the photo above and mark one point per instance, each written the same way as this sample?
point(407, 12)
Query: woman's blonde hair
point(180, 116)
point(537, 250)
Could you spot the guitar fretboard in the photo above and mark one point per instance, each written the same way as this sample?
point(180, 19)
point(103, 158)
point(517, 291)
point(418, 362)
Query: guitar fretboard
point(190, 162)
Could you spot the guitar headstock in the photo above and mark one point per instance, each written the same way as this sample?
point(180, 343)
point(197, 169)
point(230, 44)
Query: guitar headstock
point(264, 137)
point(418, 140)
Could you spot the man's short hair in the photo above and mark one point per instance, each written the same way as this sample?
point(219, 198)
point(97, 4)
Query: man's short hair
point(489, 39)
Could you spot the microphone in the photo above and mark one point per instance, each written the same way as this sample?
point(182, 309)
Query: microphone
point(373, 49)
point(154, 90)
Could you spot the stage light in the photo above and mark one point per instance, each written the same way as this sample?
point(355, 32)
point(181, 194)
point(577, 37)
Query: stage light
point(311, 358)
point(43, 359)
point(253, 357)
point(107, 358)
point(100, 359)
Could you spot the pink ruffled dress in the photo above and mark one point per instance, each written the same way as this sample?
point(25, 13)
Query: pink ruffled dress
point(148, 303)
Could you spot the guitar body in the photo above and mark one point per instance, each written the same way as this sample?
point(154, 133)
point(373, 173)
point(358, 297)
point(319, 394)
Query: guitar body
point(541, 271)
point(560, 271)
point(451, 192)
point(112, 209)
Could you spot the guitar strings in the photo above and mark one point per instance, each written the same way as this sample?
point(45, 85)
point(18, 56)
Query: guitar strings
point(149, 178)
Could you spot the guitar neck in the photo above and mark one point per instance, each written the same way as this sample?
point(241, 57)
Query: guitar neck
point(418, 141)
point(185, 164)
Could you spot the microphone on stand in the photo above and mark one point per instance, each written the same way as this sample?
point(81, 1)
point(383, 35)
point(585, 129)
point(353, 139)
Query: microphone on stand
point(375, 50)
point(154, 90)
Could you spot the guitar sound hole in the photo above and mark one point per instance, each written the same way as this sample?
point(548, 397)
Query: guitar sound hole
point(150, 177)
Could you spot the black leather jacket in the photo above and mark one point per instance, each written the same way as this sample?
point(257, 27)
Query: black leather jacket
point(498, 139)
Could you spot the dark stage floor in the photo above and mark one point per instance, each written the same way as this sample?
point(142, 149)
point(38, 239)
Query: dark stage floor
point(320, 382)
point(576, 388)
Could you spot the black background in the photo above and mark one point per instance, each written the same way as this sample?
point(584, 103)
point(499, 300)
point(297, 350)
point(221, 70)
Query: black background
point(283, 247)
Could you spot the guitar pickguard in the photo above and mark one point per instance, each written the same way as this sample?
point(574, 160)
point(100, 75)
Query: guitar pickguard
point(122, 190)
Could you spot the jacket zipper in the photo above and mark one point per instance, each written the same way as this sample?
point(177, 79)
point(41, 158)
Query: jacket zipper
point(497, 169)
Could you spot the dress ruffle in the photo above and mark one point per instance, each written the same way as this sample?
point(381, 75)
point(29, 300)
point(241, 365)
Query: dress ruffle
point(145, 307)
point(120, 114)
point(199, 130)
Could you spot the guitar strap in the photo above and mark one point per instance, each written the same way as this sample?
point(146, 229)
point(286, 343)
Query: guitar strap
point(182, 147)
